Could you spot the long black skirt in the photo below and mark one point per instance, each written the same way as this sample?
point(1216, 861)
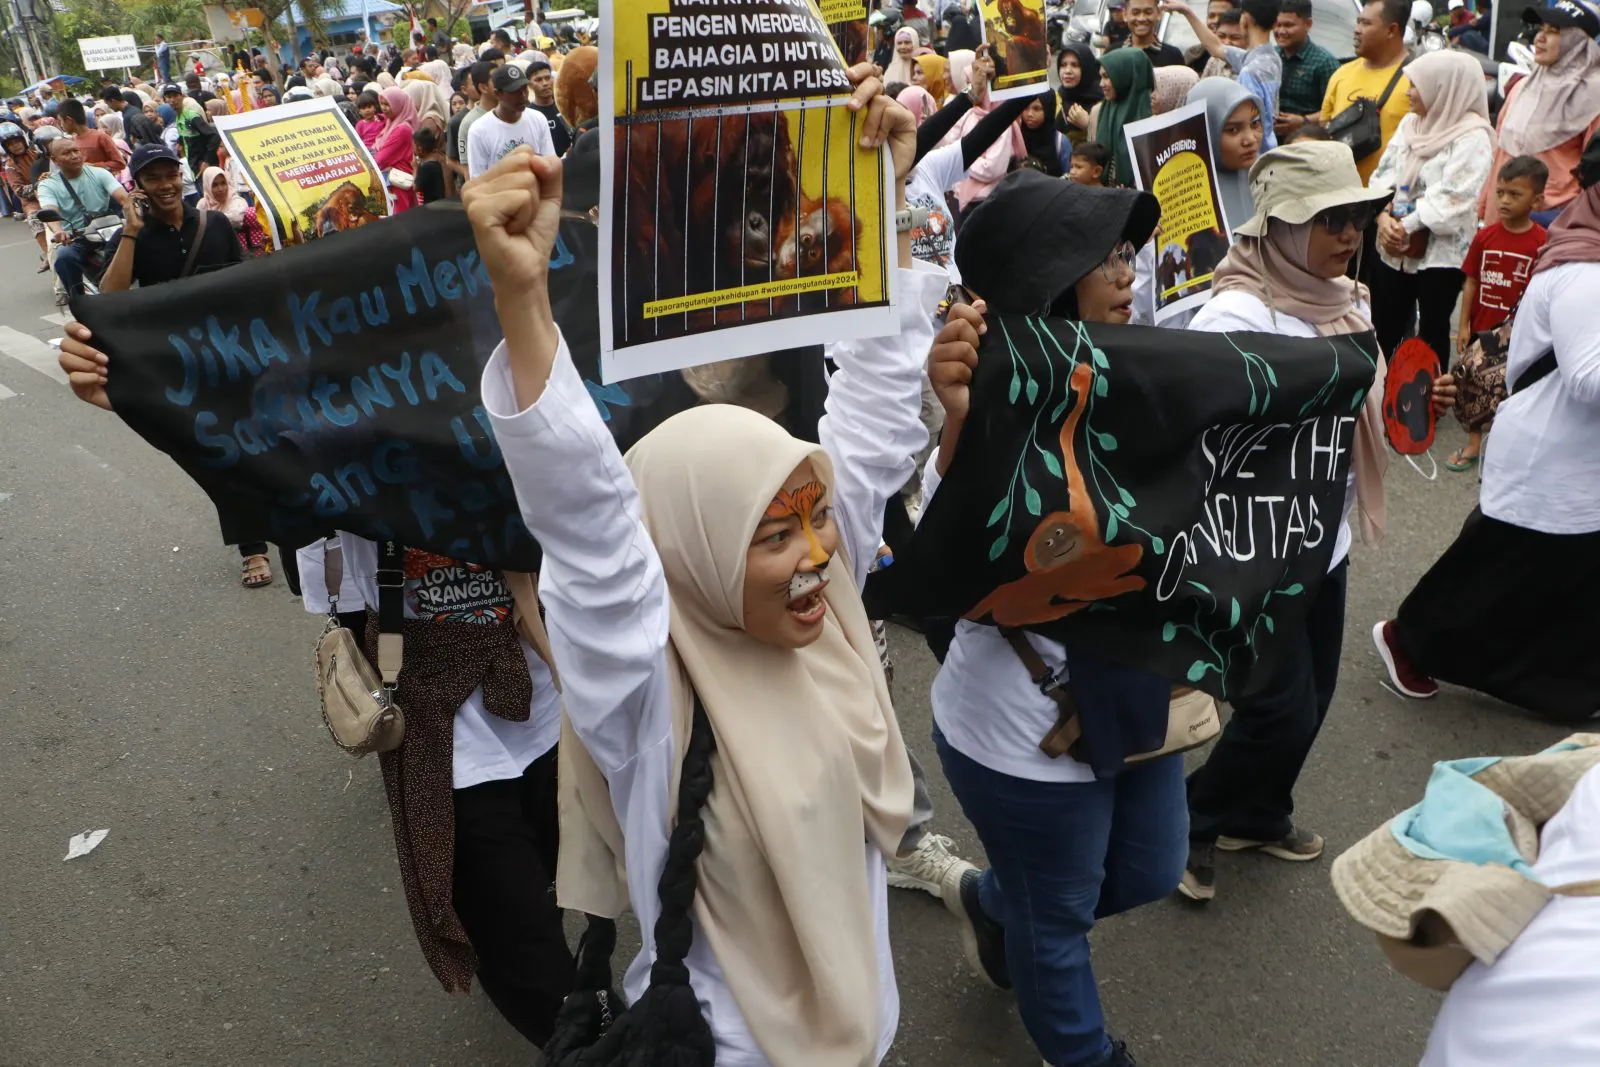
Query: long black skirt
point(1513, 613)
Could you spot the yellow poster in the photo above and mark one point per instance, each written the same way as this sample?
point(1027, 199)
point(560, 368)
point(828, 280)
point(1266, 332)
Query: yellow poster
point(307, 167)
point(743, 216)
point(1015, 33)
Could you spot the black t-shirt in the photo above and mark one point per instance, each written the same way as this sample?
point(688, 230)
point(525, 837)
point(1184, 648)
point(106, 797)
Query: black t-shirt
point(160, 249)
point(1164, 55)
point(452, 144)
point(560, 133)
point(430, 180)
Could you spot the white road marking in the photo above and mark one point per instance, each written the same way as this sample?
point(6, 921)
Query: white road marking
point(31, 352)
point(6, 394)
point(58, 318)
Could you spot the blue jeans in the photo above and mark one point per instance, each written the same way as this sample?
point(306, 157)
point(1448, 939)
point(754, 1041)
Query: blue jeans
point(70, 261)
point(1062, 855)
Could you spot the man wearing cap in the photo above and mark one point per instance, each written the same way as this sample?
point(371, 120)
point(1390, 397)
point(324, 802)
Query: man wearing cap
point(77, 193)
point(508, 126)
point(1554, 112)
point(159, 231)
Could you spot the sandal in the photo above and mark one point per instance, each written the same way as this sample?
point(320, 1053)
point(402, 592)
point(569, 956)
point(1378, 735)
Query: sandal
point(1459, 461)
point(257, 572)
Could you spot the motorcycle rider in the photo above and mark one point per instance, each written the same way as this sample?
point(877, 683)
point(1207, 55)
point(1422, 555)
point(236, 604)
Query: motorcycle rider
point(18, 162)
point(77, 193)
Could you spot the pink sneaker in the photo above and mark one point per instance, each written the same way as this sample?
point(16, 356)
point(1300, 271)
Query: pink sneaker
point(1406, 678)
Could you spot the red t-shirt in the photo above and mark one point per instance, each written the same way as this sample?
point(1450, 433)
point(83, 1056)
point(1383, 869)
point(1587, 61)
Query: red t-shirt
point(1501, 262)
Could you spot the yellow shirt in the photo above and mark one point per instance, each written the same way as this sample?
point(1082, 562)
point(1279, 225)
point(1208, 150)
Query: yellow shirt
point(1356, 80)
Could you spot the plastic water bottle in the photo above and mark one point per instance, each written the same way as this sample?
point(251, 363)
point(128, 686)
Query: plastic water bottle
point(1402, 205)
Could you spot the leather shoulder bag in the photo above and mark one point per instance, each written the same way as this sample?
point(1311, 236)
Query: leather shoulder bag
point(1361, 124)
point(358, 702)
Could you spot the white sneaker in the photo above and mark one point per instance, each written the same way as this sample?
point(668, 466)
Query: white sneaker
point(931, 868)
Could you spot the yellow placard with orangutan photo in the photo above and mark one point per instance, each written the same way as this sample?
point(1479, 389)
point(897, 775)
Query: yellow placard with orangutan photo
point(1015, 33)
point(310, 173)
point(742, 216)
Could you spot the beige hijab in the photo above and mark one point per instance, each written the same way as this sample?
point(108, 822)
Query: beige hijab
point(1451, 84)
point(808, 750)
point(1556, 103)
point(1272, 269)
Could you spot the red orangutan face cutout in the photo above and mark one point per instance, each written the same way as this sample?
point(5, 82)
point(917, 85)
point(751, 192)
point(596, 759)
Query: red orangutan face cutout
point(786, 565)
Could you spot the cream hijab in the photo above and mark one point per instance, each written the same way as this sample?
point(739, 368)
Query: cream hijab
point(1451, 85)
point(808, 750)
point(1556, 103)
point(1272, 269)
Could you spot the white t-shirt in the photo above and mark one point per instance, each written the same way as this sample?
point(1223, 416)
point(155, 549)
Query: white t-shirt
point(1541, 466)
point(935, 173)
point(1536, 1005)
point(490, 139)
point(487, 748)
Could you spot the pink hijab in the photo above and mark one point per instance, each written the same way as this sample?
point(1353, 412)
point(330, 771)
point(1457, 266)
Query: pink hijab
point(918, 101)
point(1451, 85)
point(1172, 85)
point(1556, 103)
point(1575, 235)
point(402, 112)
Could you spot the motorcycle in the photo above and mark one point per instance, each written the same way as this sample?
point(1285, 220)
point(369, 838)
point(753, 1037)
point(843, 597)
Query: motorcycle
point(100, 235)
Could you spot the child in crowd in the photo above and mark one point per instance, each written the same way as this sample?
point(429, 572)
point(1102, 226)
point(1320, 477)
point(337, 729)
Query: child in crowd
point(1311, 131)
point(371, 124)
point(429, 165)
point(1498, 266)
point(1089, 161)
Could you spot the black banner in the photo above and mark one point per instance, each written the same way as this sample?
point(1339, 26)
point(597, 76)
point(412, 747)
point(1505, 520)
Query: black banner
point(335, 386)
point(1169, 500)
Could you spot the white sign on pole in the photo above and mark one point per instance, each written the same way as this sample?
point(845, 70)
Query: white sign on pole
point(104, 53)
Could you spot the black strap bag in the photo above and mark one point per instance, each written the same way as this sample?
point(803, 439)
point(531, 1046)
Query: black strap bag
point(1361, 124)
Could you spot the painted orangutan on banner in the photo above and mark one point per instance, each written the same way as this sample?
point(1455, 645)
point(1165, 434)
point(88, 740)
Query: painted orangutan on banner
point(1069, 564)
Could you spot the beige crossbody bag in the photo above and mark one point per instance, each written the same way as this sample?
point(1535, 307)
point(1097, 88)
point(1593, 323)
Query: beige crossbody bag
point(358, 704)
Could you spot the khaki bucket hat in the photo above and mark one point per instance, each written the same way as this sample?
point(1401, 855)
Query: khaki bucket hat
point(1296, 181)
point(1434, 916)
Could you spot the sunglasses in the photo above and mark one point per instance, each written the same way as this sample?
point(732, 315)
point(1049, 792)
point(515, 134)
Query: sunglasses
point(1338, 219)
point(1120, 258)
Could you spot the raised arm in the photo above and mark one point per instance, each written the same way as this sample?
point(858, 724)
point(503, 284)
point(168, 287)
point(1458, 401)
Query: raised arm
point(1208, 40)
point(601, 581)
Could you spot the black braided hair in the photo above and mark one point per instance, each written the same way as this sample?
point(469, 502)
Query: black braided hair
point(665, 1028)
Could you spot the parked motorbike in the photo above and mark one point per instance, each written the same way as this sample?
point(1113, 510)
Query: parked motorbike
point(100, 234)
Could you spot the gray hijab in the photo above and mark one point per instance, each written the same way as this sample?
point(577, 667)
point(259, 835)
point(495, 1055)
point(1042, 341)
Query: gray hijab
point(1221, 96)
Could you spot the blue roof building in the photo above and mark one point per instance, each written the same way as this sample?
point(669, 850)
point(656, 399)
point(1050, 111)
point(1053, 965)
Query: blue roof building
point(344, 23)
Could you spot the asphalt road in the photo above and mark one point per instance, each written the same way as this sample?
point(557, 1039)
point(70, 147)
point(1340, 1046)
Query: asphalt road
point(245, 908)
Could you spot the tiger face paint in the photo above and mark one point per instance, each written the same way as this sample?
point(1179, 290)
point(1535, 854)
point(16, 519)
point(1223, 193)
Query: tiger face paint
point(800, 502)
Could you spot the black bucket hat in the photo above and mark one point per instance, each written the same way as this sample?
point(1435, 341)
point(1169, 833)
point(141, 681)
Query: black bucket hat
point(1035, 236)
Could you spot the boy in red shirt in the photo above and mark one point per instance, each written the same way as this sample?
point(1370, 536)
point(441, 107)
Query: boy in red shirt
point(1499, 264)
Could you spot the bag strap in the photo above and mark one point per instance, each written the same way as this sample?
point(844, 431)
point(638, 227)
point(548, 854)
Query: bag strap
point(194, 249)
point(1540, 369)
point(391, 612)
point(76, 199)
point(333, 571)
point(1577, 889)
point(1069, 727)
point(1389, 90)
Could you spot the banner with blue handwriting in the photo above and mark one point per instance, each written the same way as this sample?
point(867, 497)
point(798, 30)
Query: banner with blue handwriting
point(335, 386)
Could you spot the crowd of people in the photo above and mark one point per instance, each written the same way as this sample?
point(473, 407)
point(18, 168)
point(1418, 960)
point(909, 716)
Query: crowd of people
point(722, 693)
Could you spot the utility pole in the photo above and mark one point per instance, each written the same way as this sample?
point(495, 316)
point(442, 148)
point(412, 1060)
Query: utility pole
point(22, 41)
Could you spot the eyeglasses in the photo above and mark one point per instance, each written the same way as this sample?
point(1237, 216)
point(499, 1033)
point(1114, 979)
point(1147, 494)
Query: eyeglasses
point(1120, 259)
point(1338, 219)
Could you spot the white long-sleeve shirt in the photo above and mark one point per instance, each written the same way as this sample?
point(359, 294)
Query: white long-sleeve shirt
point(1541, 466)
point(607, 607)
point(1446, 194)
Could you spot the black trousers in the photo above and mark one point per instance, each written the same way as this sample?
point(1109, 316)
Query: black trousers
point(1428, 296)
point(505, 896)
point(1510, 612)
point(1245, 788)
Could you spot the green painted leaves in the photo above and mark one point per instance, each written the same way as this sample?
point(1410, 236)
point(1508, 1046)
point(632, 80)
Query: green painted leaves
point(999, 512)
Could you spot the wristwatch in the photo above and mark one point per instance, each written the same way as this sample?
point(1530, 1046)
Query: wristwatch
point(907, 219)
